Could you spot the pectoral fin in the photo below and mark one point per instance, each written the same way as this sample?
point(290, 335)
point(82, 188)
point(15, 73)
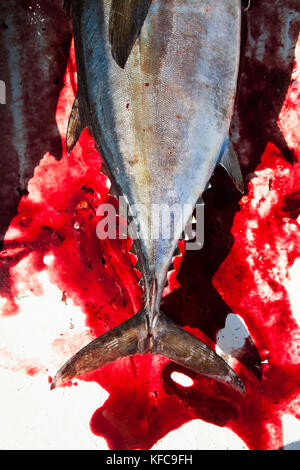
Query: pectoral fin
point(229, 161)
point(75, 126)
point(126, 20)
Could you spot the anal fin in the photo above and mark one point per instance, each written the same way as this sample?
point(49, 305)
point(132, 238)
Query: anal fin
point(75, 126)
point(229, 161)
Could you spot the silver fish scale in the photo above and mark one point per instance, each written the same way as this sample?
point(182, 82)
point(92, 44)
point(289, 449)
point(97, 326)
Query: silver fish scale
point(161, 122)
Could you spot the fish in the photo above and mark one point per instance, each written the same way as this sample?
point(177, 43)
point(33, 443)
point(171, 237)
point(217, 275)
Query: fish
point(157, 84)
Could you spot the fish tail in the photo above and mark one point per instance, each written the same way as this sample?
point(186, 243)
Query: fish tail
point(136, 336)
point(173, 342)
point(127, 339)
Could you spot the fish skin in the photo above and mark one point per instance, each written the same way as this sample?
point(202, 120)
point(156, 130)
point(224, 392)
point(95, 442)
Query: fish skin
point(160, 125)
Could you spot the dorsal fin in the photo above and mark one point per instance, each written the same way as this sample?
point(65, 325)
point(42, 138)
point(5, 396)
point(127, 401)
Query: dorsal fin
point(125, 23)
point(229, 161)
point(75, 126)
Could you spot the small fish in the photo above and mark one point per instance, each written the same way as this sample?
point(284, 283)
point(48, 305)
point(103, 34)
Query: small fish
point(157, 84)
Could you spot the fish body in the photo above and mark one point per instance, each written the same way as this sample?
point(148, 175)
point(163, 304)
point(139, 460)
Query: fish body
point(156, 87)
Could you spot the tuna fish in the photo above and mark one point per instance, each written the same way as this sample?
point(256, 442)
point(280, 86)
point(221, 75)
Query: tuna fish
point(157, 84)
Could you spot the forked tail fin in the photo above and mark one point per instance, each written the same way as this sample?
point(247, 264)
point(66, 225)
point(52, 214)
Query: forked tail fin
point(172, 341)
point(127, 339)
point(165, 338)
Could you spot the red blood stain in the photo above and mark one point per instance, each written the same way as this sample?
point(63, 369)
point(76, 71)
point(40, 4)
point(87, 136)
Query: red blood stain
point(257, 270)
point(32, 371)
point(245, 263)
